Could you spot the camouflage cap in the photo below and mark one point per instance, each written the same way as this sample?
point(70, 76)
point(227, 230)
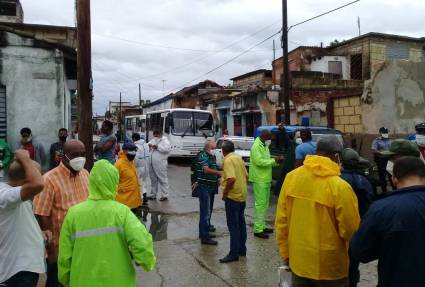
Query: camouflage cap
point(402, 147)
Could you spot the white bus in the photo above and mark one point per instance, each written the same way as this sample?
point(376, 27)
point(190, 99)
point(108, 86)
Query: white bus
point(135, 124)
point(186, 129)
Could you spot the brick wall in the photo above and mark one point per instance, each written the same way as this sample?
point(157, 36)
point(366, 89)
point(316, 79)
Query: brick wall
point(348, 115)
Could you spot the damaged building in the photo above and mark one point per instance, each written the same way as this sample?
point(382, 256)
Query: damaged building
point(37, 77)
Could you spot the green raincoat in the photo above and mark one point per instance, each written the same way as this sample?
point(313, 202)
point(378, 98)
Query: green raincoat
point(99, 236)
point(260, 163)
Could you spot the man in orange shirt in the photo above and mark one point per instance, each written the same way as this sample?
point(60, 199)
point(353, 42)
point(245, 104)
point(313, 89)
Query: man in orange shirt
point(64, 187)
point(129, 190)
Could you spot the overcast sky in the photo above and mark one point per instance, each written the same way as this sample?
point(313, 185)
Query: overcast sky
point(167, 44)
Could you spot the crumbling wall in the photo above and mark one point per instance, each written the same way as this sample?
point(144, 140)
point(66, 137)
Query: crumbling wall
point(395, 97)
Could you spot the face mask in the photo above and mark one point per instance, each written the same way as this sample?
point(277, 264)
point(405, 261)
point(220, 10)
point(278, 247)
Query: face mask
point(390, 167)
point(77, 163)
point(298, 141)
point(268, 142)
point(385, 136)
point(420, 140)
point(63, 138)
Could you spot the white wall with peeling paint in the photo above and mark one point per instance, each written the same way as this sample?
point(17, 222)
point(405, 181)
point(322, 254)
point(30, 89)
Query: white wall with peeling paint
point(37, 95)
point(395, 97)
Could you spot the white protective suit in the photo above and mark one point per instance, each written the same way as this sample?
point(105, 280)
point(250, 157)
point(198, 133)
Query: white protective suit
point(142, 162)
point(158, 168)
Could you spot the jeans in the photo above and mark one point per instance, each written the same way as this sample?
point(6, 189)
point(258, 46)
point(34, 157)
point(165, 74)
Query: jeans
point(235, 216)
point(212, 196)
point(204, 196)
point(22, 279)
point(298, 281)
point(52, 275)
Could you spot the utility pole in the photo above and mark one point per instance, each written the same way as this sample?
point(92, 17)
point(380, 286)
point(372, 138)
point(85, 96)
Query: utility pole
point(358, 25)
point(140, 94)
point(274, 50)
point(285, 89)
point(84, 79)
point(120, 119)
point(140, 98)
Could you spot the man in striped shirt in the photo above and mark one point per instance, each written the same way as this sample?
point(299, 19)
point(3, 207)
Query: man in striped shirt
point(64, 187)
point(208, 173)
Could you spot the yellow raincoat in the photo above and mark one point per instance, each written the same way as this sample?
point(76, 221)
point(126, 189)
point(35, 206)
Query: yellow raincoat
point(129, 192)
point(317, 214)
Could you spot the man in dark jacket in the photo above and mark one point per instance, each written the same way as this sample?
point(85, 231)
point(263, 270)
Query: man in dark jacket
point(393, 229)
point(353, 173)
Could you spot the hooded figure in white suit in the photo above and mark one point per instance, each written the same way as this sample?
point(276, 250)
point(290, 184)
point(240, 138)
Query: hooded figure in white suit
point(160, 149)
point(142, 162)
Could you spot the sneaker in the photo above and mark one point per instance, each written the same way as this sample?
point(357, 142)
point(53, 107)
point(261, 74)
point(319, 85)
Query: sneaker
point(208, 241)
point(212, 228)
point(212, 236)
point(229, 259)
point(261, 235)
point(268, 230)
point(163, 199)
point(151, 197)
point(242, 254)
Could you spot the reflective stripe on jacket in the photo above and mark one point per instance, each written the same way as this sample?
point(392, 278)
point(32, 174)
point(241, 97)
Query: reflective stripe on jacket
point(98, 236)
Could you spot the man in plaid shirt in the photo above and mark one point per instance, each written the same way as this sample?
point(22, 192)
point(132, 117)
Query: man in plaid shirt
point(64, 187)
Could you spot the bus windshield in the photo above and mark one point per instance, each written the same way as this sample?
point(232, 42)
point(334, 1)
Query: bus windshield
point(192, 124)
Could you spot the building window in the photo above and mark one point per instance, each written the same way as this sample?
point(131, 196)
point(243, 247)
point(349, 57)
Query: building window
point(397, 51)
point(356, 67)
point(7, 9)
point(335, 67)
point(3, 113)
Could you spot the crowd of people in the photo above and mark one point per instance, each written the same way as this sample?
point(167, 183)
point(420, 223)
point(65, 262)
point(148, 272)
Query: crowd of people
point(330, 215)
point(68, 220)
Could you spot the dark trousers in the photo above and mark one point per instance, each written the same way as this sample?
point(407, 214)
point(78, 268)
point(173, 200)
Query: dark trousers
point(353, 273)
point(235, 216)
point(52, 275)
point(382, 172)
point(22, 279)
point(204, 196)
point(212, 196)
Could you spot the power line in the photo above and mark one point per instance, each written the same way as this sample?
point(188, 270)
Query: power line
point(205, 57)
point(228, 61)
point(155, 45)
point(323, 14)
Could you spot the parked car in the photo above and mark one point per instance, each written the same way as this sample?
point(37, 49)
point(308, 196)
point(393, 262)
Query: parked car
point(242, 148)
point(283, 144)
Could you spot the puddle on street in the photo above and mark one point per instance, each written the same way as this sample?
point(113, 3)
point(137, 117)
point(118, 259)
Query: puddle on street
point(155, 222)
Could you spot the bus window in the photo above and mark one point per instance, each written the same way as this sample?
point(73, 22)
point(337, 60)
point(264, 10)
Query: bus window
point(182, 123)
point(204, 124)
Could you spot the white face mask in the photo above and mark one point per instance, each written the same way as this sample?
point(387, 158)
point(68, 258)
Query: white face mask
point(131, 152)
point(390, 167)
point(268, 142)
point(77, 163)
point(298, 141)
point(420, 140)
point(385, 136)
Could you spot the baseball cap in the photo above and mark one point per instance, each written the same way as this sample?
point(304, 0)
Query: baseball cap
point(129, 146)
point(383, 130)
point(402, 147)
point(420, 127)
point(351, 158)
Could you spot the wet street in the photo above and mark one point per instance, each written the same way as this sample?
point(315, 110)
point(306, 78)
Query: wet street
point(183, 261)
